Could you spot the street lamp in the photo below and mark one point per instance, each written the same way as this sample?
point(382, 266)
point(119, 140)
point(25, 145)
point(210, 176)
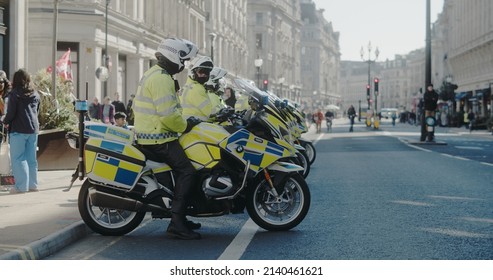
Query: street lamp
point(258, 63)
point(280, 81)
point(55, 48)
point(106, 56)
point(212, 36)
point(369, 61)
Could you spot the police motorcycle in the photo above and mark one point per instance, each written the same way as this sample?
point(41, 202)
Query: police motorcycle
point(237, 168)
point(297, 126)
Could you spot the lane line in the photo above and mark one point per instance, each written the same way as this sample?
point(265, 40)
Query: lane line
point(237, 247)
point(487, 163)
point(318, 139)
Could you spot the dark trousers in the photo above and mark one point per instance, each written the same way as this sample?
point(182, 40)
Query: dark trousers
point(173, 154)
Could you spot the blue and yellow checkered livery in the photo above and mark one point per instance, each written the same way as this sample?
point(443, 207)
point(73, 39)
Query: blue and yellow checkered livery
point(113, 162)
point(108, 132)
point(200, 144)
point(247, 147)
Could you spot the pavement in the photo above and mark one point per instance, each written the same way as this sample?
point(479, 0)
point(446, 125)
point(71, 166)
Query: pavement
point(35, 225)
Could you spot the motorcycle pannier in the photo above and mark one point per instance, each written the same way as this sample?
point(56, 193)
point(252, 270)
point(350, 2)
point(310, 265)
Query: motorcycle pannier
point(113, 163)
point(108, 132)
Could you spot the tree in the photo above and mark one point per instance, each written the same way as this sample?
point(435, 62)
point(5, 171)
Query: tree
point(55, 113)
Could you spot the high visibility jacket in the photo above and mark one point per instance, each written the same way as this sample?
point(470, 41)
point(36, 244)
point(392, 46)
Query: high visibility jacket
point(157, 110)
point(242, 103)
point(196, 102)
point(216, 101)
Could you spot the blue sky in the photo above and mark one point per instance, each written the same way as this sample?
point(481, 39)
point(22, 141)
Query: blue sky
point(395, 26)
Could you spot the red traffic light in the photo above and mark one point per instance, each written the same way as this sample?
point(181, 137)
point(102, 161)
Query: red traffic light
point(376, 80)
point(367, 86)
point(266, 82)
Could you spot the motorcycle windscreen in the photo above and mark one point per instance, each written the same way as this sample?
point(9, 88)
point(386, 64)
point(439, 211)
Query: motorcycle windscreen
point(113, 163)
point(247, 147)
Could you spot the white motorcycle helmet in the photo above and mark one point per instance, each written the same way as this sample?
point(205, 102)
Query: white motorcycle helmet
point(176, 52)
point(215, 77)
point(203, 64)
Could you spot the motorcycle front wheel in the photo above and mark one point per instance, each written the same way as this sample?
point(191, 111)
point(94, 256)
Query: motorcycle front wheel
point(310, 151)
point(106, 221)
point(283, 212)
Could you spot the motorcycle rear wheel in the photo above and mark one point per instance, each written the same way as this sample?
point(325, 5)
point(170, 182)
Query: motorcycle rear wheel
point(280, 214)
point(106, 221)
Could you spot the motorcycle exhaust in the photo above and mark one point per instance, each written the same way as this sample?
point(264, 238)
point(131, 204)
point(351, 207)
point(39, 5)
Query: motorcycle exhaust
point(106, 200)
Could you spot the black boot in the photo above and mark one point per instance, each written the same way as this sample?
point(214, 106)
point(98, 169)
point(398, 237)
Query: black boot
point(178, 228)
point(192, 225)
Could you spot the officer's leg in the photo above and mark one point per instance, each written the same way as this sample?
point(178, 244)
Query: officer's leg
point(185, 172)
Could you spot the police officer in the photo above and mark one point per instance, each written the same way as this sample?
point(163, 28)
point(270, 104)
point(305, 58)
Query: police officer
point(214, 88)
point(194, 99)
point(159, 119)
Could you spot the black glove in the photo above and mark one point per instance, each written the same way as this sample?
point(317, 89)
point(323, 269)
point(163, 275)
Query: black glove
point(191, 122)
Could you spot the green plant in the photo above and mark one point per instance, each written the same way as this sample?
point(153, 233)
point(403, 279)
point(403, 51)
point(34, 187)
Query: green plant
point(53, 113)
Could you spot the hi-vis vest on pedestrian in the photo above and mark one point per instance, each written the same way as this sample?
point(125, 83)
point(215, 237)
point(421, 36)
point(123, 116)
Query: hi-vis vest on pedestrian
point(158, 114)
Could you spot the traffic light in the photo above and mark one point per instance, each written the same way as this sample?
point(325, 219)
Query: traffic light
point(368, 92)
point(266, 84)
point(376, 84)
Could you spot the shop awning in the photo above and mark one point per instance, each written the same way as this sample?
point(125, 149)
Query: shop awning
point(460, 95)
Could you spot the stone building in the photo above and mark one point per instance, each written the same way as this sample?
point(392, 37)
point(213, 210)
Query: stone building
point(226, 29)
point(467, 46)
point(274, 30)
point(320, 57)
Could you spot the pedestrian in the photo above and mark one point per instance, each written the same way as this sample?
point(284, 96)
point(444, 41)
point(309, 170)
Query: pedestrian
point(430, 104)
point(351, 112)
point(121, 120)
point(119, 106)
point(393, 116)
point(159, 120)
point(94, 109)
point(471, 117)
point(130, 113)
point(318, 118)
point(107, 111)
point(229, 97)
point(23, 126)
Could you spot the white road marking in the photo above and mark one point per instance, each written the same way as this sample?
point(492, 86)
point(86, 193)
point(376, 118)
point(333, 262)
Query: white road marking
point(237, 247)
point(412, 203)
point(456, 233)
point(454, 197)
point(318, 139)
point(487, 163)
point(469, 148)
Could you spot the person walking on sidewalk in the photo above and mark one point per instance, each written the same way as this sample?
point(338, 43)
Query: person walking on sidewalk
point(23, 126)
point(351, 112)
point(471, 117)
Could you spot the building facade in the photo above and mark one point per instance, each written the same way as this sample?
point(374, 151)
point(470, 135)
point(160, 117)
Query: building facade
point(134, 30)
point(274, 37)
point(320, 58)
point(467, 46)
point(226, 29)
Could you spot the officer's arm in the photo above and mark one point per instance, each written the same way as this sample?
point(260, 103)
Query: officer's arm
point(167, 106)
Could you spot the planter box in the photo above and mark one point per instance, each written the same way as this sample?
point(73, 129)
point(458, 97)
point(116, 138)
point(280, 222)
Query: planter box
point(54, 152)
